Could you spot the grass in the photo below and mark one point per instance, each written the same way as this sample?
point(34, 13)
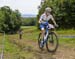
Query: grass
point(62, 32)
point(70, 42)
point(9, 47)
point(1, 41)
point(14, 46)
point(66, 32)
point(33, 35)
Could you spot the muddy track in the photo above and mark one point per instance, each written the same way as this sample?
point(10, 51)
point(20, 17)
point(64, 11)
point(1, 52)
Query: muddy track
point(63, 52)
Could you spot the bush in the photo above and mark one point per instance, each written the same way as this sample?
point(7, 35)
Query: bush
point(63, 11)
point(29, 21)
point(10, 21)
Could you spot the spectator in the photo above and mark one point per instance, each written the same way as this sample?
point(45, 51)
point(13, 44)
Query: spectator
point(20, 34)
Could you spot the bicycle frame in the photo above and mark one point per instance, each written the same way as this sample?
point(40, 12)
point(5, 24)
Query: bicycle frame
point(48, 38)
point(46, 34)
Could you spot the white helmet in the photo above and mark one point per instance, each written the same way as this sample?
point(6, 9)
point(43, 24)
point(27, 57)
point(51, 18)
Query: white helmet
point(48, 9)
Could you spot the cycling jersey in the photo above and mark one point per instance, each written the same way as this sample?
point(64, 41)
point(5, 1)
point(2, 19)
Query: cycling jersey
point(44, 21)
point(44, 18)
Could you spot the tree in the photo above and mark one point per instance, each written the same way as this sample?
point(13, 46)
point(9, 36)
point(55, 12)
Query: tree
point(63, 11)
point(10, 20)
point(29, 21)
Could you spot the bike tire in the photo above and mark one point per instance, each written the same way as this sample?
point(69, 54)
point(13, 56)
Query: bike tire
point(56, 39)
point(39, 41)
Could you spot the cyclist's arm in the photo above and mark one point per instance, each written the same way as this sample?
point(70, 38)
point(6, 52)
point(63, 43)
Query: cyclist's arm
point(53, 20)
point(41, 17)
point(39, 21)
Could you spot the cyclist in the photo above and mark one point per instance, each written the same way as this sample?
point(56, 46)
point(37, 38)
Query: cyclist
point(43, 21)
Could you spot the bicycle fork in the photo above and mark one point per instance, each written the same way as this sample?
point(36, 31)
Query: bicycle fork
point(45, 37)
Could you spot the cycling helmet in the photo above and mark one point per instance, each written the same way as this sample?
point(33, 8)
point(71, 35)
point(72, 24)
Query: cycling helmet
point(48, 9)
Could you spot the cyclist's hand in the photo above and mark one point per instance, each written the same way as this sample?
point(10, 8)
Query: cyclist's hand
point(39, 22)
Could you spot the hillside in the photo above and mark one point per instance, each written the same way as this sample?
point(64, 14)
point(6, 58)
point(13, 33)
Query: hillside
point(28, 15)
point(27, 47)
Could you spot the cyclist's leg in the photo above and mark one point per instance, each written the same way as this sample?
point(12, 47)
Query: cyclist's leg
point(52, 28)
point(42, 31)
point(42, 34)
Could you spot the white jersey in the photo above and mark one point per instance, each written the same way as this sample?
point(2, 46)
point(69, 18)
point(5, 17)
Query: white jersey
point(45, 18)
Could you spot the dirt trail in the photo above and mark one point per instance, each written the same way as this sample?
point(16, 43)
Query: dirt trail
point(30, 47)
point(63, 52)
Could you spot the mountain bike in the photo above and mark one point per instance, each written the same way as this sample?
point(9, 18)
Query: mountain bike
point(50, 39)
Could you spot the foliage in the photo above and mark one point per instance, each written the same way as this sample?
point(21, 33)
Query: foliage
point(10, 21)
point(29, 21)
point(63, 11)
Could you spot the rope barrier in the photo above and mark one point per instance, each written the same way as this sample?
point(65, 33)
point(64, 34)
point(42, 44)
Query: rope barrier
point(3, 41)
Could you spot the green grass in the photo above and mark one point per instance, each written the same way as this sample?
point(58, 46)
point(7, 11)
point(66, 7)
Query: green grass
point(9, 47)
point(62, 32)
point(32, 34)
point(67, 41)
point(66, 32)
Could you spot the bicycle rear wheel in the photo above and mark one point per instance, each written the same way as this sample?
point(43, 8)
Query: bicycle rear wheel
point(52, 42)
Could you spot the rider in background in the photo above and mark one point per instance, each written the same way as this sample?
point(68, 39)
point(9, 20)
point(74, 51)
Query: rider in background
point(20, 34)
point(43, 21)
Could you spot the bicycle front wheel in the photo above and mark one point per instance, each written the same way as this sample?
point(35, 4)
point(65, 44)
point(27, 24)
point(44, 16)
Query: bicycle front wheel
point(52, 42)
point(39, 41)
